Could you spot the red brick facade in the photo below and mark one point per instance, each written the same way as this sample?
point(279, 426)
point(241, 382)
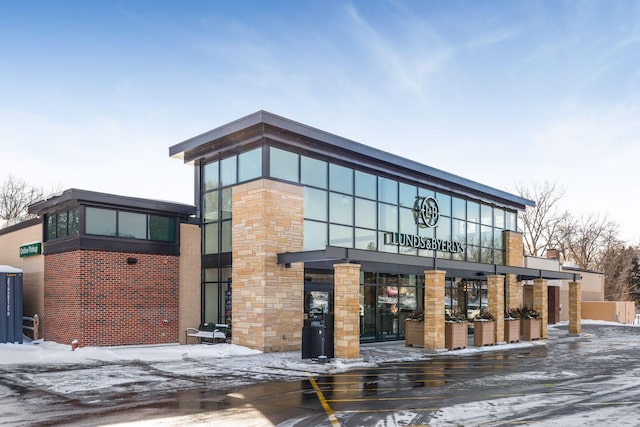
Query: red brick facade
point(99, 299)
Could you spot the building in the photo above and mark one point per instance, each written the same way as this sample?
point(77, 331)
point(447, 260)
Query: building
point(290, 223)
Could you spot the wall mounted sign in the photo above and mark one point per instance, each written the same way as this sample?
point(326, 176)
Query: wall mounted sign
point(421, 242)
point(426, 212)
point(30, 249)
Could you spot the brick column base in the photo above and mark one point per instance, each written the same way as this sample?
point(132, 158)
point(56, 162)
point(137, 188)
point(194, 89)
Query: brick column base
point(434, 309)
point(575, 309)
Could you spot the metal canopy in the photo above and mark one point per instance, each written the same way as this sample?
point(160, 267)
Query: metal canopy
point(409, 264)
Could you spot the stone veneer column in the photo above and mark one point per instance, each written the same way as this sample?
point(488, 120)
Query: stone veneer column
point(267, 297)
point(575, 309)
point(540, 304)
point(346, 320)
point(495, 303)
point(514, 248)
point(434, 281)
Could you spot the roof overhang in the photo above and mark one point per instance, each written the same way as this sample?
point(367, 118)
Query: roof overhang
point(409, 264)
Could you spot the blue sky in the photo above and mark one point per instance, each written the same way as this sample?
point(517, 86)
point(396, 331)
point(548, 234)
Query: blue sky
point(92, 94)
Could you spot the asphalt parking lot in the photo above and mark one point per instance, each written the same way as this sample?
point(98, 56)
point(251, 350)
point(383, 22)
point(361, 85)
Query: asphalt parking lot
point(592, 379)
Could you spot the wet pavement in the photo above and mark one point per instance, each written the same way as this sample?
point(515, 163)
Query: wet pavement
point(589, 380)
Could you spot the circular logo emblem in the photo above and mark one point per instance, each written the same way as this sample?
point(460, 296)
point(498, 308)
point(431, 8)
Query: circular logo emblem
point(426, 211)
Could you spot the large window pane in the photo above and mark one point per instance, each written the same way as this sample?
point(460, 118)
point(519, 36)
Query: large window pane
point(486, 236)
point(408, 195)
point(443, 230)
point(210, 206)
point(211, 238)
point(510, 221)
point(365, 213)
point(459, 208)
point(341, 179)
point(407, 221)
point(226, 203)
point(162, 228)
point(498, 240)
point(340, 235)
point(250, 165)
point(486, 214)
point(341, 208)
point(313, 172)
point(283, 164)
point(210, 176)
point(315, 204)
point(315, 235)
point(388, 217)
point(74, 221)
point(366, 185)
point(498, 218)
point(51, 227)
point(473, 234)
point(132, 225)
point(459, 231)
point(382, 247)
point(225, 237)
point(365, 239)
point(444, 204)
point(473, 212)
point(228, 171)
point(62, 224)
point(388, 190)
point(101, 222)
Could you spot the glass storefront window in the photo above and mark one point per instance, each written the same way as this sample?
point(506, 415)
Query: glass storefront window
point(283, 164)
point(486, 236)
point(315, 235)
point(498, 240)
point(162, 228)
point(473, 234)
point(51, 227)
point(315, 204)
point(387, 217)
point(62, 224)
point(132, 225)
point(366, 185)
point(459, 232)
point(211, 238)
point(473, 211)
point(341, 208)
point(250, 165)
point(408, 195)
point(100, 222)
point(340, 179)
point(443, 230)
point(459, 208)
point(313, 172)
point(444, 204)
point(365, 213)
point(228, 171)
point(340, 235)
point(510, 221)
point(388, 191)
point(226, 203)
point(382, 247)
point(486, 215)
point(74, 221)
point(225, 237)
point(407, 222)
point(365, 239)
point(210, 176)
point(210, 206)
point(498, 218)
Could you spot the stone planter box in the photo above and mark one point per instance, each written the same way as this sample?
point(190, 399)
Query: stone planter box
point(512, 330)
point(531, 329)
point(413, 333)
point(455, 335)
point(484, 333)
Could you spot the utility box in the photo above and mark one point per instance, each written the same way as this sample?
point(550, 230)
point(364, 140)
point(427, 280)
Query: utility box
point(10, 305)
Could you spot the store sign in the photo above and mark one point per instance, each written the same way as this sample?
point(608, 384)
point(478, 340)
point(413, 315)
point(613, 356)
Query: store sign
point(30, 249)
point(426, 212)
point(421, 242)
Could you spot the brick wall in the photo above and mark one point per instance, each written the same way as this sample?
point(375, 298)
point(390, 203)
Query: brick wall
point(99, 299)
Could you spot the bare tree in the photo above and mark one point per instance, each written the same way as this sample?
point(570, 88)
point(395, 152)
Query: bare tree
point(539, 225)
point(616, 261)
point(15, 197)
point(584, 240)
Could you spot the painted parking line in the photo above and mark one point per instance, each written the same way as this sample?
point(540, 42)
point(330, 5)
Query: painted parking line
point(323, 402)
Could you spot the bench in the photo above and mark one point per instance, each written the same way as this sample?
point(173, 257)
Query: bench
point(208, 333)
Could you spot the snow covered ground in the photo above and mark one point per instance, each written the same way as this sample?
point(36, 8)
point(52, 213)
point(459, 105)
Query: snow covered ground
point(91, 375)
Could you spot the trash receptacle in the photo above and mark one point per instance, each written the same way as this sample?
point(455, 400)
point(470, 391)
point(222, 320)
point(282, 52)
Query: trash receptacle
point(10, 305)
point(317, 338)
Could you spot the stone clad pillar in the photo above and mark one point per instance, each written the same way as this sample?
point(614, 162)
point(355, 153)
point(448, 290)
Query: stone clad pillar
point(575, 309)
point(495, 304)
point(267, 297)
point(514, 295)
point(434, 281)
point(346, 320)
point(541, 305)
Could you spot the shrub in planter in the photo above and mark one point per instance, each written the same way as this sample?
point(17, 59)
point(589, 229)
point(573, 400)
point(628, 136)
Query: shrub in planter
point(455, 330)
point(512, 325)
point(414, 330)
point(484, 329)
